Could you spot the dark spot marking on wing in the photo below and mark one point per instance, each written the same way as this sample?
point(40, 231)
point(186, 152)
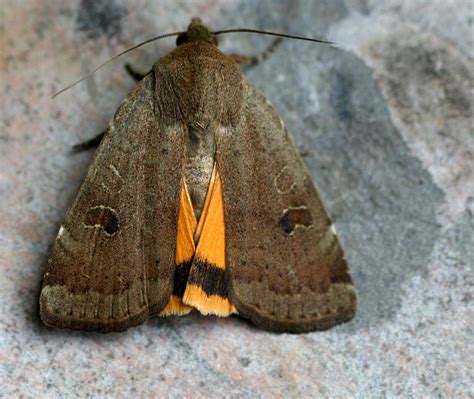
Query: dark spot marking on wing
point(295, 217)
point(102, 217)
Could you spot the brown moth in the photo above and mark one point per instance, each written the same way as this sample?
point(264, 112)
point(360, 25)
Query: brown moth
point(197, 199)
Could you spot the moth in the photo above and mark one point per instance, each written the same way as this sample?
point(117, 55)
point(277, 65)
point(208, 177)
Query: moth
point(197, 199)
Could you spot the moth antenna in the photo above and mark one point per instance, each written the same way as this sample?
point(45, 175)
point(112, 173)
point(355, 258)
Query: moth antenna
point(220, 32)
point(114, 58)
point(264, 32)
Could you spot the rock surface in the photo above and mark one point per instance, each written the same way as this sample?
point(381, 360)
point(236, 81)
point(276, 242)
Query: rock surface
point(386, 120)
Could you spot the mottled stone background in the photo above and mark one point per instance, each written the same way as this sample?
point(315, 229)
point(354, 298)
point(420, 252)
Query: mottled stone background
point(386, 120)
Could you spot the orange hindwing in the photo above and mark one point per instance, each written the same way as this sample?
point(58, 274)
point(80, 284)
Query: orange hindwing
point(185, 249)
point(201, 280)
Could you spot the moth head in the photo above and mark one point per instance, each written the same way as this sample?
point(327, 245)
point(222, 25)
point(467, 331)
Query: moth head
point(196, 31)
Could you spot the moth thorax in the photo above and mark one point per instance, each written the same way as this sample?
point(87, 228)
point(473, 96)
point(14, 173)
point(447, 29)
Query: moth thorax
point(200, 153)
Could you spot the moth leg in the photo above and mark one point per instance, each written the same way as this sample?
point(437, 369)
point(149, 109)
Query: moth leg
point(94, 142)
point(89, 144)
point(252, 60)
point(134, 73)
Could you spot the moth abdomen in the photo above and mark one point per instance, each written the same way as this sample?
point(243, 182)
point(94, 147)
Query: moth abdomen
point(199, 162)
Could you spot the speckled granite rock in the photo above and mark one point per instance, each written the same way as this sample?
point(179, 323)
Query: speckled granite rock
point(386, 118)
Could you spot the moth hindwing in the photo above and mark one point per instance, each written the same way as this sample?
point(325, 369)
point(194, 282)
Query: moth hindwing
point(197, 199)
